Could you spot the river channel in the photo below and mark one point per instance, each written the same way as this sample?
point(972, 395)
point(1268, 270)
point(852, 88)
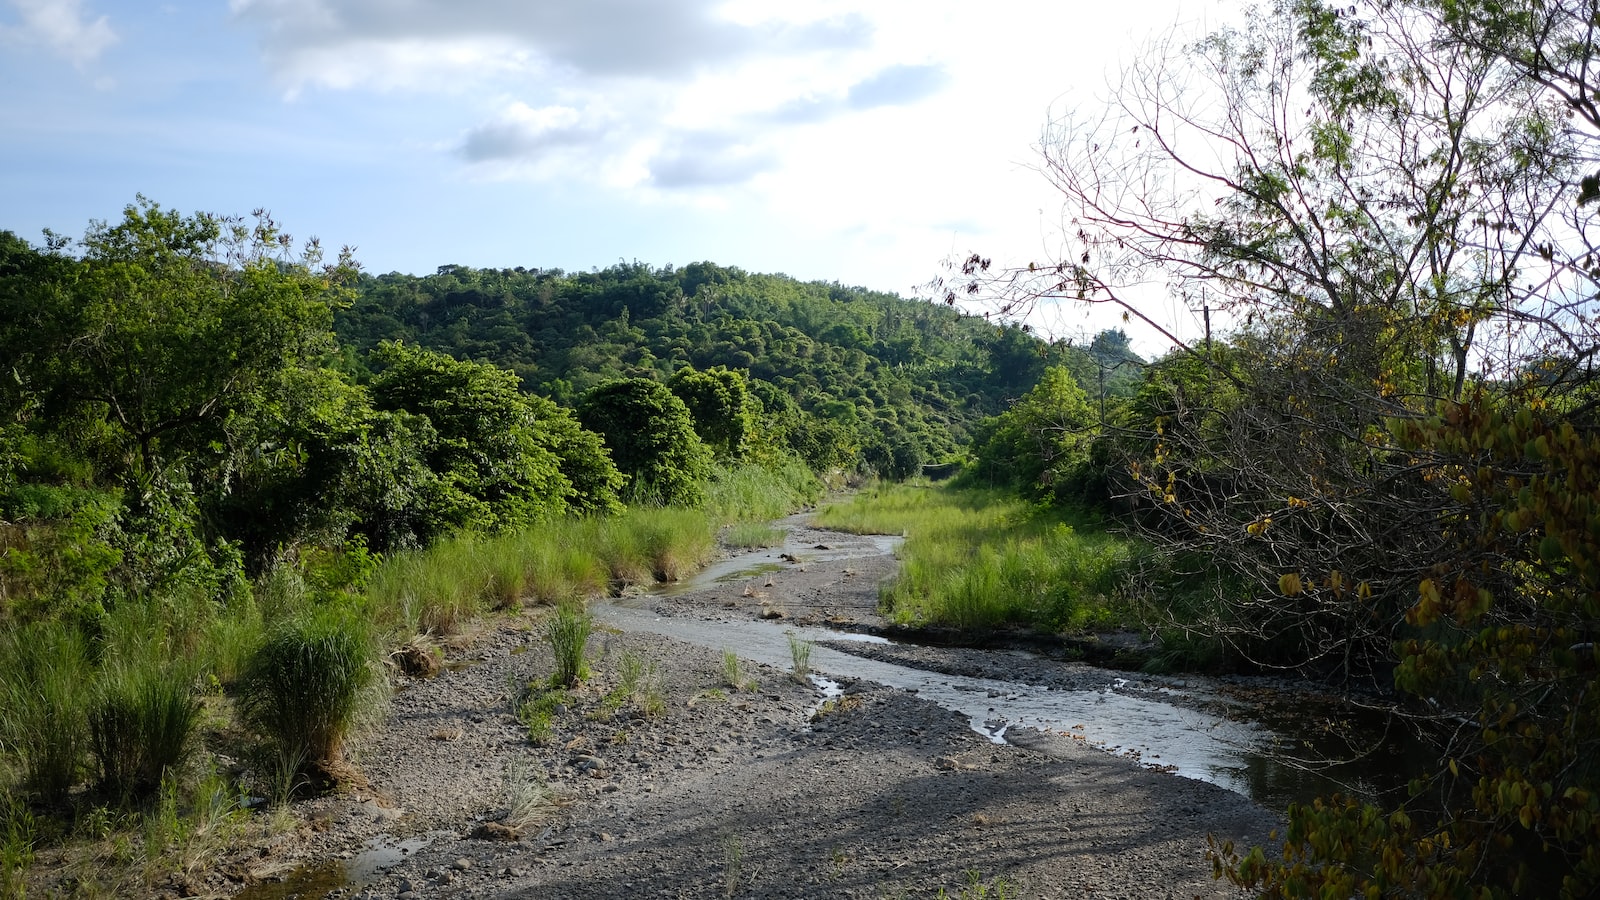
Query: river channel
point(1268, 739)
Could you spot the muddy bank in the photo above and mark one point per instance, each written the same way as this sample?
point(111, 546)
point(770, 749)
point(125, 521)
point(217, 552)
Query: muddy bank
point(742, 789)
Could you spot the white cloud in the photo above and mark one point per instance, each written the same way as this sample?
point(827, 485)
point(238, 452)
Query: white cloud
point(588, 38)
point(63, 27)
point(521, 132)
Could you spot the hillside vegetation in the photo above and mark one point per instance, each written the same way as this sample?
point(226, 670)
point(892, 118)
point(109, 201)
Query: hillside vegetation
point(237, 474)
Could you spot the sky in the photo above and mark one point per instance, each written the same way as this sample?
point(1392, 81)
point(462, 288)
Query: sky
point(864, 143)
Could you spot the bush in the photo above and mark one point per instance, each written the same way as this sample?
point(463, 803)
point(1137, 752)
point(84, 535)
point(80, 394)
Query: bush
point(308, 684)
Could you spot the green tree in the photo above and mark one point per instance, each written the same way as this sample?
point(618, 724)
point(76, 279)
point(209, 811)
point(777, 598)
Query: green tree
point(166, 323)
point(325, 465)
point(719, 401)
point(582, 455)
point(135, 354)
point(494, 469)
point(1039, 443)
point(652, 440)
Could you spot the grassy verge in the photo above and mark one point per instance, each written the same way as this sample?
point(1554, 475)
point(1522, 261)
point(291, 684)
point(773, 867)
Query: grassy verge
point(101, 724)
point(976, 558)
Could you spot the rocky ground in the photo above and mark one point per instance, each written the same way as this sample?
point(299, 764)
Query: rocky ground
point(712, 780)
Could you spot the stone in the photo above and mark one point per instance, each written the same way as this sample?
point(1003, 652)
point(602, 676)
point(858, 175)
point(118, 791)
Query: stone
point(496, 831)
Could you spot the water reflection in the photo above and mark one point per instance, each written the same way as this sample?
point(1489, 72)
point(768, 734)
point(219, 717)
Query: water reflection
point(1230, 733)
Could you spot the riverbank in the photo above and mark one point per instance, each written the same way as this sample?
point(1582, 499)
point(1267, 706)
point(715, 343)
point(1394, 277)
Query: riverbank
point(706, 781)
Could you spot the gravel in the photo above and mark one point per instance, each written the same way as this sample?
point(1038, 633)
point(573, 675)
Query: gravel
point(735, 790)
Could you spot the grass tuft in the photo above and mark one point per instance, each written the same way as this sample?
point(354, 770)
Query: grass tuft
point(142, 724)
point(310, 683)
point(568, 635)
point(528, 799)
point(800, 654)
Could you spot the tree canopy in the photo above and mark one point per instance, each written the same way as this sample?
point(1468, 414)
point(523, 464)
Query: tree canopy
point(1383, 213)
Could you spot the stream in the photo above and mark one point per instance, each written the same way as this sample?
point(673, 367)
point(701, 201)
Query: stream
point(1259, 737)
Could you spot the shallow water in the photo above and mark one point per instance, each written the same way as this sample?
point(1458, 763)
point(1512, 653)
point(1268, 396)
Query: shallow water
point(793, 551)
point(1163, 723)
point(318, 881)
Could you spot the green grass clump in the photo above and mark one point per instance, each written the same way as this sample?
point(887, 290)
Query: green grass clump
point(537, 707)
point(750, 535)
point(757, 493)
point(20, 832)
point(310, 683)
point(568, 635)
point(142, 725)
point(507, 577)
point(45, 688)
point(638, 683)
point(800, 656)
point(977, 558)
point(733, 673)
point(977, 888)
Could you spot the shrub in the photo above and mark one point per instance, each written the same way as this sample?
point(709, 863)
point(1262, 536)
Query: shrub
point(308, 684)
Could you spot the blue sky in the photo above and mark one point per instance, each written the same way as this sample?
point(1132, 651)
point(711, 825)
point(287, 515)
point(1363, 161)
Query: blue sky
point(862, 143)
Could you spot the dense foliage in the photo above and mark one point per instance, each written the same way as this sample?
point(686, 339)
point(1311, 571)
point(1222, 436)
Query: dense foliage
point(1386, 445)
point(845, 377)
point(216, 517)
point(652, 438)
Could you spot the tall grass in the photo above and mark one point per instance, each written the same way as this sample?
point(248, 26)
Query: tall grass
point(45, 687)
point(142, 725)
point(568, 635)
point(677, 542)
point(750, 535)
point(977, 558)
point(309, 683)
point(437, 590)
point(757, 493)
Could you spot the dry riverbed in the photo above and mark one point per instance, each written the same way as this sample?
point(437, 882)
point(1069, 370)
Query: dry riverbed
point(754, 789)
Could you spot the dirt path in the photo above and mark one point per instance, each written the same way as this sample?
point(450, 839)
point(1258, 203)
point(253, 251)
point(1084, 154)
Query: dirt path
point(736, 791)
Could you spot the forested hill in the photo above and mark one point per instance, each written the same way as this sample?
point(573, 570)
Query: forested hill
point(842, 373)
